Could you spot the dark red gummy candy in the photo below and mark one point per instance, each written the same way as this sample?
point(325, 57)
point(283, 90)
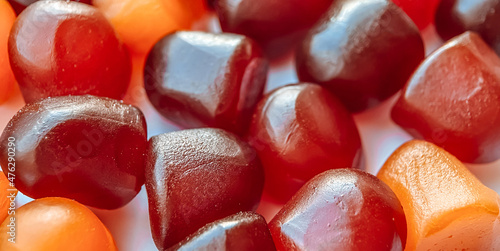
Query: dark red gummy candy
point(60, 48)
point(86, 148)
point(245, 231)
point(200, 79)
point(273, 24)
point(343, 209)
point(455, 17)
point(453, 100)
point(197, 176)
point(300, 131)
point(20, 5)
point(363, 52)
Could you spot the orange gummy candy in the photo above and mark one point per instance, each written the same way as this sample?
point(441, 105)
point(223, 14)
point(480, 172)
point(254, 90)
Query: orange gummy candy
point(140, 24)
point(7, 194)
point(56, 224)
point(7, 17)
point(446, 206)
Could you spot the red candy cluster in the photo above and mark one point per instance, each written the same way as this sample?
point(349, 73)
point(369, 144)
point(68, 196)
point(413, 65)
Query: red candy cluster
point(298, 145)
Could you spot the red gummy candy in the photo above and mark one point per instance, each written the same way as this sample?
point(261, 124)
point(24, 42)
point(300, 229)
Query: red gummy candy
point(455, 17)
point(300, 131)
point(197, 176)
point(86, 148)
point(364, 52)
point(273, 24)
point(60, 48)
point(452, 100)
point(343, 209)
point(199, 79)
point(242, 231)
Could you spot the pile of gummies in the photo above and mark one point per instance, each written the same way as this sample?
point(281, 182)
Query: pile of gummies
point(77, 143)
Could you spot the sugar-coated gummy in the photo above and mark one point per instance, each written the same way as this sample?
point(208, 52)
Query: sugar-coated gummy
point(452, 100)
point(197, 176)
point(343, 209)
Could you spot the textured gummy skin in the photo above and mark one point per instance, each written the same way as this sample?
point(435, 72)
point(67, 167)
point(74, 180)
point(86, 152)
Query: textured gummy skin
point(300, 131)
point(199, 79)
point(452, 100)
point(20, 5)
point(455, 17)
point(7, 17)
point(85, 148)
point(244, 231)
point(60, 48)
point(197, 176)
point(271, 23)
point(343, 209)
point(363, 52)
point(57, 224)
point(446, 206)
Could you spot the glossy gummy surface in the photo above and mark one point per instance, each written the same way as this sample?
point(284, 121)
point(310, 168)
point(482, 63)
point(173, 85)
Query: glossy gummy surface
point(244, 231)
point(452, 100)
point(197, 79)
point(194, 177)
point(455, 17)
point(57, 224)
point(446, 206)
point(342, 209)
point(81, 147)
point(60, 48)
point(363, 52)
point(273, 24)
point(20, 5)
point(300, 131)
